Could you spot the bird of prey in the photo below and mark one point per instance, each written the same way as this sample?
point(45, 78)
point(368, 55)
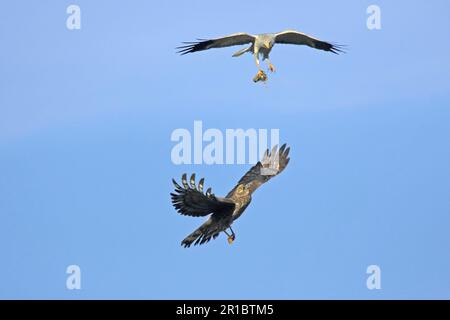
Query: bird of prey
point(260, 45)
point(190, 200)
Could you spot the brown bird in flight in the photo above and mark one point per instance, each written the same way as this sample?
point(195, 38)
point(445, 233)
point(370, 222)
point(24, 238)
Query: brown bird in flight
point(190, 200)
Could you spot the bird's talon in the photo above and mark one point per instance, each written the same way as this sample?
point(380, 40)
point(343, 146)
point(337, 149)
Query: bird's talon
point(271, 68)
point(230, 240)
point(260, 76)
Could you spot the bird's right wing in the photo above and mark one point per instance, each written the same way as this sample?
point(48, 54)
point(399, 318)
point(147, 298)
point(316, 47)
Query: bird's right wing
point(227, 41)
point(191, 201)
point(272, 164)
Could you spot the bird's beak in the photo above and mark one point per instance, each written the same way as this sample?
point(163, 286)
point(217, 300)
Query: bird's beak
point(268, 45)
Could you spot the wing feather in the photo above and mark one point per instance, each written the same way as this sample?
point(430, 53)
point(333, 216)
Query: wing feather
point(205, 44)
point(299, 38)
point(272, 164)
point(191, 201)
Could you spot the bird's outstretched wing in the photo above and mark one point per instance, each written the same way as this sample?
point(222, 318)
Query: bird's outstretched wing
point(272, 164)
point(295, 37)
point(191, 201)
point(227, 41)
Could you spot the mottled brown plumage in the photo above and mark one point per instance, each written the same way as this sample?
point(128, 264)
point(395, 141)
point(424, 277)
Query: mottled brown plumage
point(189, 199)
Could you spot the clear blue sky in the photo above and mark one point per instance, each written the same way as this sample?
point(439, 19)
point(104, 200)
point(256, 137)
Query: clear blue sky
point(85, 169)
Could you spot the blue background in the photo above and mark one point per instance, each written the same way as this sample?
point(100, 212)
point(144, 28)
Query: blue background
point(85, 124)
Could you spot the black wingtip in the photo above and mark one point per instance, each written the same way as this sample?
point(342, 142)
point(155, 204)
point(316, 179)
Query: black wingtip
point(193, 46)
point(185, 244)
point(338, 48)
point(286, 152)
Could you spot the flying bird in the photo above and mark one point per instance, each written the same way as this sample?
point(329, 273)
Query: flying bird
point(260, 45)
point(189, 199)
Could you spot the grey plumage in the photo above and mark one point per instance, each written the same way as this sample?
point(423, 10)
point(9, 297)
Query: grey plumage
point(260, 45)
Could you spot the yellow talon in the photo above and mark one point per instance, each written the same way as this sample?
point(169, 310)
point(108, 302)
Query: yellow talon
point(230, 240)
point(260, 76)
point(271, 67)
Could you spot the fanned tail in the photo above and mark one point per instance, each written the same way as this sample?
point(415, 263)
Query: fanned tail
point(201, 235)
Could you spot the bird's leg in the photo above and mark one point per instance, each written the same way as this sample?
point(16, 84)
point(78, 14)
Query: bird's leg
point(233, 235)
point(230, 237)
point(261, 74)
point(271, 66)
point(257, 60)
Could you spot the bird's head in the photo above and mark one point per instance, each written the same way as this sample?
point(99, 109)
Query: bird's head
point(242, 190)
point(268, 44)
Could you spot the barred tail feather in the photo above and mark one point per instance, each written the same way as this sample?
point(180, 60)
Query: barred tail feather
point(201, 235)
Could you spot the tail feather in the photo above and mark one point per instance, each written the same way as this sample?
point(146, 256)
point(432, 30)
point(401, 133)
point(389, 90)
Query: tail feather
point(242, 51)
point(201, 235)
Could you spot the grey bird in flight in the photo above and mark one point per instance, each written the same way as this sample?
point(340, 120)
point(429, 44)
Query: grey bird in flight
point(260, 45)
point(190, 200)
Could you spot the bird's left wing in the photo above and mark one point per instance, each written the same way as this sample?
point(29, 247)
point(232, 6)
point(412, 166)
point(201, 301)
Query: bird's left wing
point(295, 37)
point(191, 201)
point(227, 41)
point(272, 164)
